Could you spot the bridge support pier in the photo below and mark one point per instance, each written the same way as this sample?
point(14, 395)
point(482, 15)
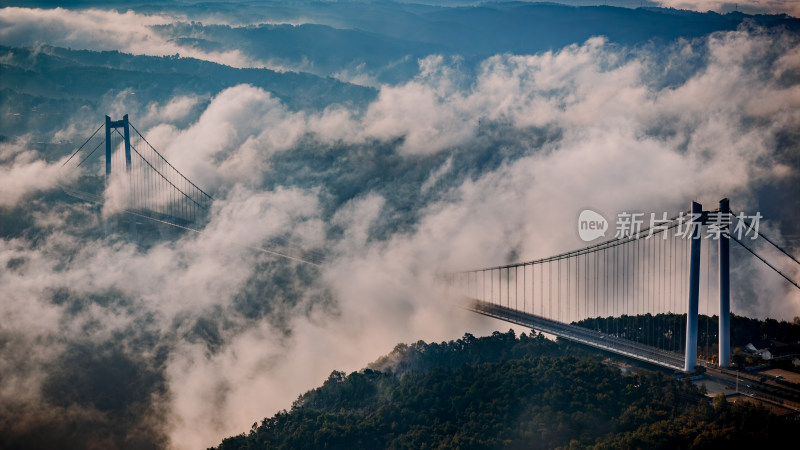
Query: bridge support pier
point(694, 289)
point(724, 287)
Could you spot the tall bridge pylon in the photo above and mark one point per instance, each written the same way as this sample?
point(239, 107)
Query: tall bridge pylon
point(694, 290)
point(134, 178)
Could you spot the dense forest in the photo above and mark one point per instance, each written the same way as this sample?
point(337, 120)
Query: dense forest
point(504, 391)
point(668, 331)
point(744, 330)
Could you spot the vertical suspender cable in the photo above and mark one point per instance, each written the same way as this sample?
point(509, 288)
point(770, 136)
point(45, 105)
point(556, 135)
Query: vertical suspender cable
point(708, 297)
point(605, 288)
point(558, 301)
point(617, 289)
point(569, 285)
point(636, 309)
point(587, 303)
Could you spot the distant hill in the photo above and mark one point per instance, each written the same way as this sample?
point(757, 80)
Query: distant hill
point(42, 87)
point(332, 44)
point(501, 391)
point(385, 39)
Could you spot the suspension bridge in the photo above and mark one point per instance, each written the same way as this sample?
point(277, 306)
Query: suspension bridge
point(134, 178)
point(133, 184)
point(636, 295)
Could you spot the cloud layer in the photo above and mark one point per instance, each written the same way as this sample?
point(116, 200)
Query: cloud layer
point(96, 29)
point(448, 171)
point(24, 173)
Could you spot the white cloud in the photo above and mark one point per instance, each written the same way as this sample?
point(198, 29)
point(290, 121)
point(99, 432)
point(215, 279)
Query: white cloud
point(233, 138)
point(436, 175)
point(95, 29)
point(23, 173)
point(177, 109)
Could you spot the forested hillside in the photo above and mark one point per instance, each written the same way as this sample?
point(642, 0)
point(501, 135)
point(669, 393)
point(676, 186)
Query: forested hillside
point(502, 391)
point(42, 87)
point(655, 330)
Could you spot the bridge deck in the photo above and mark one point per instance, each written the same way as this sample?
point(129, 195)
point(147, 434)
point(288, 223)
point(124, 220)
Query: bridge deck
point(582, 335)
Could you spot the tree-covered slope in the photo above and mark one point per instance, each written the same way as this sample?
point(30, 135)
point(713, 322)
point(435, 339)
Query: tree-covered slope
point(502, 391)
point(42, 88)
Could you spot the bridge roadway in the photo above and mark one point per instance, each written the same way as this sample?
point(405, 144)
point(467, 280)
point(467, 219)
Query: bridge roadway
point(757, 386)
point(581, 335)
